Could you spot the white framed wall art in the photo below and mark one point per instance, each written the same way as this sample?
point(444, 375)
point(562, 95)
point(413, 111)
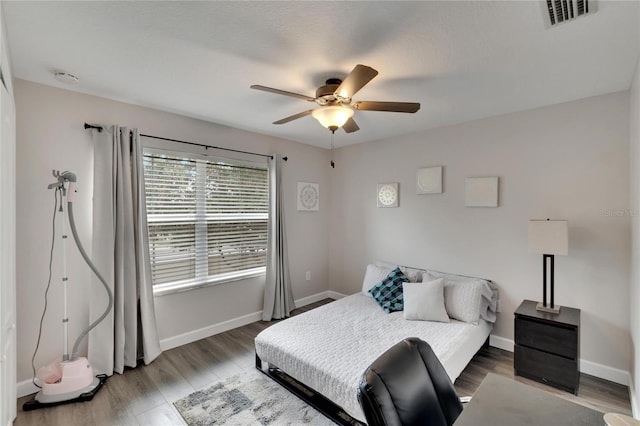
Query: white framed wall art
point(481, 192)
point(387, 194)
point(308, 197)
point(429, 180)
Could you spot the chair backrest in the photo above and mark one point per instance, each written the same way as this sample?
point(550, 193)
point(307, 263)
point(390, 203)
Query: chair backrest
point(407, 385)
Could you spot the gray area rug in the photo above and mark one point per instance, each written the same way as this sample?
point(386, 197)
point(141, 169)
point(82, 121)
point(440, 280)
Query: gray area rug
point(249, 398)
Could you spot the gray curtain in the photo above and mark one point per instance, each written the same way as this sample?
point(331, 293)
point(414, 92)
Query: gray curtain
point(121, 252)
point(278, 298)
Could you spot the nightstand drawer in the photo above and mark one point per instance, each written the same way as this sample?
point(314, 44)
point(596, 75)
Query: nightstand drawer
point(553, 339)
point(551, 369)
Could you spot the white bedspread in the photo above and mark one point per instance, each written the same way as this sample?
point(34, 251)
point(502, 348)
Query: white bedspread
point(330, 347)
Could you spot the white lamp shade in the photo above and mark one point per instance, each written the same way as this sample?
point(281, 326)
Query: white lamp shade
point(549, 237)
point(332, 116)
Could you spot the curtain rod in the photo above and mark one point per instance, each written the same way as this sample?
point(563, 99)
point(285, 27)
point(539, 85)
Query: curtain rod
point(100, 128)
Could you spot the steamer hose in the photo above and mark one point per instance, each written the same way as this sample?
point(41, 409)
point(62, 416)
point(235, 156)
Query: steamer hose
point(74, 352)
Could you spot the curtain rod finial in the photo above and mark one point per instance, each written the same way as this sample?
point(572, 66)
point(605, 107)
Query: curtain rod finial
point(91, 126)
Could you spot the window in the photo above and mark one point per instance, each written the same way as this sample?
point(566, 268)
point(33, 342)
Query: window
point(207, 220)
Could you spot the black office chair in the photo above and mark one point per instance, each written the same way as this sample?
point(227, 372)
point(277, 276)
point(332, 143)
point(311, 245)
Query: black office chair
point(407, 385)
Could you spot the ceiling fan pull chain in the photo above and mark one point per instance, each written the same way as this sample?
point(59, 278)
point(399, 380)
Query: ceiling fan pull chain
point(333, 165)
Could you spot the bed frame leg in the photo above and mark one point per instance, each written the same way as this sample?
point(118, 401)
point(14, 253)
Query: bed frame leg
point(258, 362)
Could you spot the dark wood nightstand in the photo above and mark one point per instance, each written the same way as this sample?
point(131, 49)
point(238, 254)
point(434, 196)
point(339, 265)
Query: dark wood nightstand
point(548, 346)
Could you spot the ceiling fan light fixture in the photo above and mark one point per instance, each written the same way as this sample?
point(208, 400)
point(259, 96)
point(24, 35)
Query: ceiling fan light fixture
point(332, 117)
point(335, 98)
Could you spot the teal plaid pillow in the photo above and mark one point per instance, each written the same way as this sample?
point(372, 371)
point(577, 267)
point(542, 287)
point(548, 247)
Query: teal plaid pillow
point(388, 292)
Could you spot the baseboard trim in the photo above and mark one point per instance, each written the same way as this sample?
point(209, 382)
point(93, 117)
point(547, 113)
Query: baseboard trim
point(26, 387)
point(604, 372)
point(501, 343)
point(210, 330)
point(329, 294)
point(587, 367)
point(632, 398)
point(335, 295)
point(221, 327)
point(615, 375)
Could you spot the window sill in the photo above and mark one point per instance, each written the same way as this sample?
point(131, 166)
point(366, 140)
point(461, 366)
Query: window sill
point(177, 287)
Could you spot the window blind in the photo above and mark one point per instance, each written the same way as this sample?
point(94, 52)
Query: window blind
point(207, 220)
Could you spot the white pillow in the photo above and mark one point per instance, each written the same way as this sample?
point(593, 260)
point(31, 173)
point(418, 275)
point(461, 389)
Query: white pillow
point(425, 301)
point(373, 276)
point(414, 274)
point(463, 296)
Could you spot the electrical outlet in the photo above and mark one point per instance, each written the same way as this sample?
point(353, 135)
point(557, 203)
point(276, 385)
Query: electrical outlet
point(308, 275)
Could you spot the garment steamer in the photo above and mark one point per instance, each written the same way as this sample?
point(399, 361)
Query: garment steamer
point(71, 378)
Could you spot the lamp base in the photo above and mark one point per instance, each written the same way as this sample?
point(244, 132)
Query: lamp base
point(555, 310)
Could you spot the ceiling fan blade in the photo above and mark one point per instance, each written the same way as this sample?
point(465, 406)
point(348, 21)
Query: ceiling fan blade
point(293, 117)
point(387, 106)
point(282, 92)
point(355, 81)
point(350, 126)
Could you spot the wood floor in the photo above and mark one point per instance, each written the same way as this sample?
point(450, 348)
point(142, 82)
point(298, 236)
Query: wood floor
point(144, 395)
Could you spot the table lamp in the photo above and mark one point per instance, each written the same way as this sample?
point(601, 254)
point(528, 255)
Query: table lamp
point(548, 238)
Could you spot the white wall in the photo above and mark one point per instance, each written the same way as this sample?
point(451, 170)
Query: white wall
point(50, 135)
point(568, 161)
point(564, 161)
point(634, 210)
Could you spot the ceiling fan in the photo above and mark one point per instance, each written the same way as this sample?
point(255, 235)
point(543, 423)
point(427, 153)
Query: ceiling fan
point(336, 101)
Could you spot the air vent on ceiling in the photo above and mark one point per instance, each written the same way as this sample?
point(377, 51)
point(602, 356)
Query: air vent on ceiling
point(559, 11)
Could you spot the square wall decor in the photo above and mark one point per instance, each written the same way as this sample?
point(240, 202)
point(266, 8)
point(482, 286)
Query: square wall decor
point(429, 180)
point(387, 194)
point(481, 192)
point(308, 197)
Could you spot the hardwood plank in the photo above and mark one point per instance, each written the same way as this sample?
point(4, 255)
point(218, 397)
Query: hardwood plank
point(144, 395)
point(194, 370)
point(134, 391)
point(217, 360)
point(164, 415)
point(166, 377)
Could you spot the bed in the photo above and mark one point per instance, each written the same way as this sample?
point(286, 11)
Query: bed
point(326, 350)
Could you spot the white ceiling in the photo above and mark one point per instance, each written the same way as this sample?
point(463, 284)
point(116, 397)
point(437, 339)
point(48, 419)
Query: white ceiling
point(460, 60)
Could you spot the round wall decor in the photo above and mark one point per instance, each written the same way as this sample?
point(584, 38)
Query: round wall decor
point(388, 194)
point(308, 196)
